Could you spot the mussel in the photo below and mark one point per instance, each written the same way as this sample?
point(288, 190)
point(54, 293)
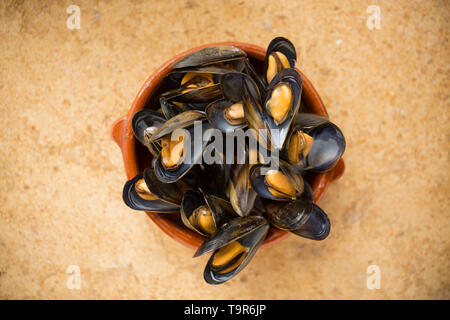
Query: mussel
point(144, 124)
point(234, 245)
point(298, 145)
point(178, 153)
point(179, 156)
point(137, 196)
point(282, 104)
point(225, 55)
point(315, 143)
point(301, 216)
point(226, 115)
point(204, 212)
point(283, 183)
point(280, 55)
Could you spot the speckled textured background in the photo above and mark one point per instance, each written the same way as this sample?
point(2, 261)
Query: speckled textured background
point(61, 174)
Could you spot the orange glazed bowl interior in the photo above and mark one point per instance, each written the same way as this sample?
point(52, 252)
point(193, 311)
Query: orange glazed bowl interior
point(136, 157)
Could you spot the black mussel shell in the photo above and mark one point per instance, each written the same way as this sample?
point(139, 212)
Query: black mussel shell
point(308, 121)
point(180, 121)
point(327, 148)
point(233, 85)
point(317, 227)
point(246, 232)
point(210, 55)
point(231, 231)
point(220, 208)
point(215, 115)
point(307, 191)
point(279, 132)
point(168, 108)
point(284, 46)
point(198, 98)
point(214, 177)
point(289, 215)
point(301, 216)
point(134, 201)
point(251, 243)
point(241, 194)
point(143, 120)
point(256, 77)
point(171, 176)
point(169, 192)
point(176, 76)
point(192, 200)
point(258, 181)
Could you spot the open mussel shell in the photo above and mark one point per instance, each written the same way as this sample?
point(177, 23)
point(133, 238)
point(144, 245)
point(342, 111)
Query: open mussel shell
point(300, 216)
point(144, 124)
point(234, 245)
point(280, 55)
point(297, 146)
point(145, 200)
point(282, 104)
point(328, 142)
point(169, 192)
point(211, 55)
point(189, 159)
point(282, 184)
point(168, 108)
point(226, 115)
point(204, 212)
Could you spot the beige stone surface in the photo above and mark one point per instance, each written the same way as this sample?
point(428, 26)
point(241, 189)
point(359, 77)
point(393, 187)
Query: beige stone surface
point(61, 175)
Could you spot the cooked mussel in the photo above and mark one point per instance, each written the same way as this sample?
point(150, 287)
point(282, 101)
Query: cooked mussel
point(169, 192)
point(226, 115)
point(301, 216)
point(170, 108)
point(225, 55)
point(204, 212)
point(317, 227)
point(178, 154)
point(298, 145)
point(328, 142)
point(234, 245)
point(283, 183)
point(137, 196)
point(144, 124)
point(280, 55)
point(282, 104)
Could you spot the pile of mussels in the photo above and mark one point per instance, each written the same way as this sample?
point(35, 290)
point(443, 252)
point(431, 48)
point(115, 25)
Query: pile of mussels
point(233, 205)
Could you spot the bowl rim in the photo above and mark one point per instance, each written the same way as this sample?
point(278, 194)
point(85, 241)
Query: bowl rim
point(122, 134)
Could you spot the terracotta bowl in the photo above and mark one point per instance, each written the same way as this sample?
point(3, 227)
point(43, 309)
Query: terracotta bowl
point(136, 157)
